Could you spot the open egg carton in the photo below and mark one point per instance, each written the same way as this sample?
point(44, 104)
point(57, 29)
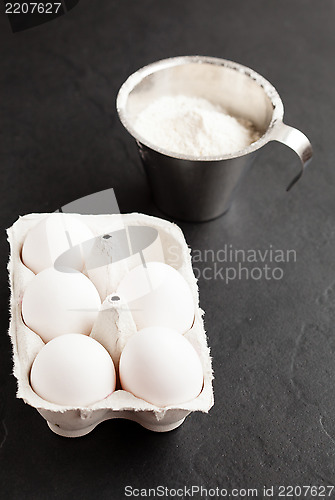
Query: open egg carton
point(113, 326)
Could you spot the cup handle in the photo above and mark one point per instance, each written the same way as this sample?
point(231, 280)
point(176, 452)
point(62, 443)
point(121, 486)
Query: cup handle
point(297, 141)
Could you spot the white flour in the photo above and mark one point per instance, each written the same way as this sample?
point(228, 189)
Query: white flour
point(193, 126)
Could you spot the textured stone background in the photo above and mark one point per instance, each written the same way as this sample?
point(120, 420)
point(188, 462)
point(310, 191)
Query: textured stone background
point(272, 341)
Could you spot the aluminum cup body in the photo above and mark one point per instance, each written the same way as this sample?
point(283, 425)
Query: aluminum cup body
point(193, 190)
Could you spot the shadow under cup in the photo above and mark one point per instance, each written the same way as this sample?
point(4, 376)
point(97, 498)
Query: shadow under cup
point(199, 189)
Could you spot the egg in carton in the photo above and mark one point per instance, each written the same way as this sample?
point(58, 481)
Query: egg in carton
point(162, 241)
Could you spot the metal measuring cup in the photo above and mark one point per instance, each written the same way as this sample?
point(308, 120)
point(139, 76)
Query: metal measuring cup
point(199, 189)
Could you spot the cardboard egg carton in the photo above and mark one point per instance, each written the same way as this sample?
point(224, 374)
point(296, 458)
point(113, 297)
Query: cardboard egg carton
point(113, 326)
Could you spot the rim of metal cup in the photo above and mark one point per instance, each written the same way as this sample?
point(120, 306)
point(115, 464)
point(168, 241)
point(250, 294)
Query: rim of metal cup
point(134, 79)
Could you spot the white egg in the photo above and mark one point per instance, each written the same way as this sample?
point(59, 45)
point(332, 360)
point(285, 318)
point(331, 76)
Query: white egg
point(51, 237)
point(161, 367)
point(55, 303)
point(158, 295)
point(73, 370)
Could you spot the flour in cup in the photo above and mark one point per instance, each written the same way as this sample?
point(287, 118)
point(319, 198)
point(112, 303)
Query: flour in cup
point(193, 126)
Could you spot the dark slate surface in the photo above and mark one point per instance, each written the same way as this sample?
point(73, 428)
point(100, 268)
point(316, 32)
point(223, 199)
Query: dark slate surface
point(272, 341)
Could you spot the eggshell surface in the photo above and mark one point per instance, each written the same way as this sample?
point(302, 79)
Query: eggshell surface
point(158, 295)
point(161, 367)
point(53, 236)
point(73, 370)
point(56, 303)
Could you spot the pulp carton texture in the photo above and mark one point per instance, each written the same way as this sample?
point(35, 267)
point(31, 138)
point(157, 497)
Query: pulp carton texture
point(113, 326)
